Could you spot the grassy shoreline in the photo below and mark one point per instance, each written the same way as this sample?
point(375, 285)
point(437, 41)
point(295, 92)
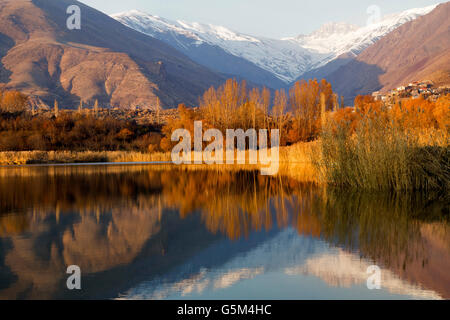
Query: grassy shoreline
point(296, 161)
point(383, 161)
point(66, 157)
point(298, 153)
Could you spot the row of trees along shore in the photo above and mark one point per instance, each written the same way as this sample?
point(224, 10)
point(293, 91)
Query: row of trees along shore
point(373, 145)
point(295, 112)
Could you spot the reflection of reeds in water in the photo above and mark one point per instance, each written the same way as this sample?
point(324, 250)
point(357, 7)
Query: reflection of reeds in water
point(408, 233)
point(382, 226)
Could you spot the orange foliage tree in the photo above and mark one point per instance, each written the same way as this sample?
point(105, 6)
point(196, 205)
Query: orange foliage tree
point(305, 104)
point(185, 120)
point(13, 101)
point(232, 105)
point(412, 115)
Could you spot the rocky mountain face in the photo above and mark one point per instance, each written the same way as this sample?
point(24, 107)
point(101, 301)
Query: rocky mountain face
point(104, 60)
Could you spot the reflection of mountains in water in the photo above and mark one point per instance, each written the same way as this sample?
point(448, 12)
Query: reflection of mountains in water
point(141, 225)
point(285, 252)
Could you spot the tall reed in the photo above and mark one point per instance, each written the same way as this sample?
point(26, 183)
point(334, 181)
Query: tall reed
point(379, 154)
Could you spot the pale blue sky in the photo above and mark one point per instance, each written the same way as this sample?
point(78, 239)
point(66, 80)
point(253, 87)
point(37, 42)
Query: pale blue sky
point(271, 18)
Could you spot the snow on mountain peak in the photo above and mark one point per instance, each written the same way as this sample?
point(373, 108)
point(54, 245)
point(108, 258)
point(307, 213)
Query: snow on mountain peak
point(333, 29)
point(145, 22)
point(286, 58)
point(339, 38)
point(283, 59)
point(209, 30)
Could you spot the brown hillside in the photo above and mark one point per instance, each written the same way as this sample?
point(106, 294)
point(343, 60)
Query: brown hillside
point(104, 60)
point(418, 50)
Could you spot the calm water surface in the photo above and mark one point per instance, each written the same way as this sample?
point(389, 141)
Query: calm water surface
point(162, 232)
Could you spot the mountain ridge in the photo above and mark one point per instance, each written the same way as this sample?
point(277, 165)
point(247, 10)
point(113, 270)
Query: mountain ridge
point(103, 61)
point(287, 58)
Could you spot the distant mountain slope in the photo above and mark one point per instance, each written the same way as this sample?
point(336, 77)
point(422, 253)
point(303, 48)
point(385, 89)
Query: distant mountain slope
point(418, 50)
point(286, 59)
point(104, 60)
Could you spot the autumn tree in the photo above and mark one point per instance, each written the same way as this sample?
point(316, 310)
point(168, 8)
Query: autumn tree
point(265, 106)
point(56, 108)
point(13, 101)
point(305, 104)
point(233, 106)
point(158, 110)
point(221, 107)
point(279, 111)
point(96, 107)
point(415, 113)
point(441, 112)
point(185, 120)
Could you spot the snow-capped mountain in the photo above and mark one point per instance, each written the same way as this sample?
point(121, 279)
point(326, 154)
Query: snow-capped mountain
point(286, 254)
point(283, 59)
point(336, 39)
point(286, 59)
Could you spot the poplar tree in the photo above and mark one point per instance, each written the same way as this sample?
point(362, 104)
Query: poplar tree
point(56, 108)
point(96, 107)
point(158, 110)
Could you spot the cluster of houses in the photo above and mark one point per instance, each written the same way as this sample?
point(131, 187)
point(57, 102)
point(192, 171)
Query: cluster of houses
point(413, 90)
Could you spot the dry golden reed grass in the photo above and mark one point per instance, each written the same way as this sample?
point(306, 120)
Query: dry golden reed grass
point(51, 157)
point(298, 161)
point(298, 153)
point(383, 156)
point(294, 161)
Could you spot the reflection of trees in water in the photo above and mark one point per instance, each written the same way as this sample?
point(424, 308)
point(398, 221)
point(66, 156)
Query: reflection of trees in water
point(13, 224)
point(100, 218)
point(69, 188)
point(233, 203)
point(237, 203)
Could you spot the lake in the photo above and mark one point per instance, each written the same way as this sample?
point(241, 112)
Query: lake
point(168, 232)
